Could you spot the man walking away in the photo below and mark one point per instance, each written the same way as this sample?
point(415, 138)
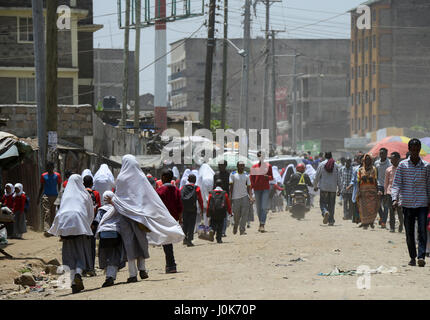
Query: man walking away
point(346, 177)
point(411, 190)
point(218, 206)
point(190, 195)
point(224, 176)
point(50, 184)
point(171, 197)
point(261, 174)
point(328, 179)
point(382, 165)
point(241, 197)
point(389, 178)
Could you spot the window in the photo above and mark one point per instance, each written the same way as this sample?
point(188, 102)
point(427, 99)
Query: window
point(367, 96)
point(373, 67)
point(373, 94)
point(25, 29)
point(374, 41)
point(367, 70)
point(26, 90)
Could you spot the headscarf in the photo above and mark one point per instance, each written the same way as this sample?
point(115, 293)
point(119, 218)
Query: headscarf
point(329, 166)
point(286, 171)
point(87, 172)
point(20, 187)
point(104, 180)
point(11, 189)
point(196, 173)
point(276, 175)
point(370, 176)
point(111, 219)
point(205, 181)
point(176, 173)
point(76, 211)
point(184, 179)
point(137, 200)
point(310, 171)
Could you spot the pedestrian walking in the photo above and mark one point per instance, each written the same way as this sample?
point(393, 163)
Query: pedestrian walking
point(205, 180)
point(389, 179)
point(50, 184)
point(7, 201)
point(327, 179)
point(217, 209)
point(112, 255)
point(184, 179)
point(190, 196)
point(103, 180)
point(171, 197)
point(224, 175)
point(241, 197)
point(73, 225)
point(19, 201)
point(411, 191)
point(382, 164)
point(261, 175)
point(346, 176)
point(354, 186)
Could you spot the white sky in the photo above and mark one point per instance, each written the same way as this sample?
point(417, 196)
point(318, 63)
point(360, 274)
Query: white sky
point(301, 19)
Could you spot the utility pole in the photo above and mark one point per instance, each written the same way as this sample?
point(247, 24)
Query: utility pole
point(224, 66)
point(39, 63)
point(137, 66)
point(51, 74)
point(274, 116)
point(266, 70)
point(125, 73)
point(293, 122)
point(209, 61)
point(244, 98)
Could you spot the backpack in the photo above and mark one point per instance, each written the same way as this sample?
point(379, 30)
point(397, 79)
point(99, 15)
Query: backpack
point(27, 203)
point(217, 207)
point(189, 198)
point(93, 197)
point(152, 181)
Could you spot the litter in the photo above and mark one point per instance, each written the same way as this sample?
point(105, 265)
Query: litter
point(283, 265)
point(336, 250)
point(380, 270)
point(297, 260)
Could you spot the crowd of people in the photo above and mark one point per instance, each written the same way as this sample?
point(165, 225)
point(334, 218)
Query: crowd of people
point(135, 210)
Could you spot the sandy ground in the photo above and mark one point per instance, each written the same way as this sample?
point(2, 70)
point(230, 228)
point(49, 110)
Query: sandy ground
point(253, 266)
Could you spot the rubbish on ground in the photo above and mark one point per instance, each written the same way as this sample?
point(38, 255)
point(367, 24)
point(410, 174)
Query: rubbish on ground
point(297, 260)
point(338, 272)
point(336, 250)
point(283, 265)
point(389, 241)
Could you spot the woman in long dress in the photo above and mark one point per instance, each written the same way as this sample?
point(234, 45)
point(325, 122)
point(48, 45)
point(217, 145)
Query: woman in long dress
point(367, 196)
point(19, 224)
point(144, 217)
point(205, 181)
point(73, 224)
point(103, 180)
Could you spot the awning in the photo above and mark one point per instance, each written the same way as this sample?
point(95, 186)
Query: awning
point(145, 161)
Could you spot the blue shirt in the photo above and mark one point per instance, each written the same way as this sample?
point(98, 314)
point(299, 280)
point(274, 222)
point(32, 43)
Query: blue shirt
point(50, 183)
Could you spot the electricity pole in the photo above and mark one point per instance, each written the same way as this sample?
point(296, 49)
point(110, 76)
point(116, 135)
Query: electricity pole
point(125, 73)
point(266, 70)
point(209, 61)
point(294, 122)
point(137, 67)
point(274, 116)
point(224, 66)
point(39, 63)
point(244, 98)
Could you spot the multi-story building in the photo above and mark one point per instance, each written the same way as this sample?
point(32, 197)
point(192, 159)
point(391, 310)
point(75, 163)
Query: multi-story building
point(390, 62)
point(324, 99)
point(75, 53)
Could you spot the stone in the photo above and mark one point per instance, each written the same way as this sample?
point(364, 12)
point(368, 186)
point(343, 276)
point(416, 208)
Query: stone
point(51, 269)
point(25, 279)
point(54, 262)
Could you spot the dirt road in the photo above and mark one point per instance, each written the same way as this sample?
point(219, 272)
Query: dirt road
point(282, 263)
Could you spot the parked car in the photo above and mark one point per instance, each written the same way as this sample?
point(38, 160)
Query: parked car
point(284, 161)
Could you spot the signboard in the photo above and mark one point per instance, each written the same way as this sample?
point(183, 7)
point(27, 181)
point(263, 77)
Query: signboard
point(356, 143)
point(52, 139)
point(309, 145)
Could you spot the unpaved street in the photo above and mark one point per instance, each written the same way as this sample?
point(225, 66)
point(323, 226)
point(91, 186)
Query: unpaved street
point(255, 266)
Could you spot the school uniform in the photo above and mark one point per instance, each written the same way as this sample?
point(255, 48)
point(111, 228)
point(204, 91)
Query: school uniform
point(19, 224)
point(7, 200)
point(217, 216)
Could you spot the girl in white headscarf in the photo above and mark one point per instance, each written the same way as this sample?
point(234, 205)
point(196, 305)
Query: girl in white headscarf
point(310, 171)
point(73, 224)
point(103, 180)
point(184, 179)
point(144, 217)
point(176, 174)
point(19, 224)
point(205, 181)
point(87, 172)
point(112, 255)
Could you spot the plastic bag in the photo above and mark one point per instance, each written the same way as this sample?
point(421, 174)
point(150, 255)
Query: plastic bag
point(205, 233)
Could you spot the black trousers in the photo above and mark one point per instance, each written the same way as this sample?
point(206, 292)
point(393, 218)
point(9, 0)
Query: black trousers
point(189, 223)
point(216, 226)
point(410, 216)
point(170, 258)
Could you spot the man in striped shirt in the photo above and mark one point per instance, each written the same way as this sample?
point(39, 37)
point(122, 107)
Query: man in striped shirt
point(411, 190)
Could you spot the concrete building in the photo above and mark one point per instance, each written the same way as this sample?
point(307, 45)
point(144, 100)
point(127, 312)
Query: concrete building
point(75, 53)
point(390, 62)
point(108, 74)
point(324, 100)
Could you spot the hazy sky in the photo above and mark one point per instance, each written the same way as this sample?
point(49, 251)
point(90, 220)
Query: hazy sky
point(301, 19)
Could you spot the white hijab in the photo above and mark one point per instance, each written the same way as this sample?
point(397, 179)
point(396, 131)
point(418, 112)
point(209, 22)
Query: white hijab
point(136, 199)
point(87, 172)
point(205, 181)
point(310, 171)
point(184, 179)
point(276, 175)
point(76, 210)
point(20, 187)
point(196, 173)
point(11, 189)
point(176, 173)
point(111, 219)
point(286, 170)
point(104, 180)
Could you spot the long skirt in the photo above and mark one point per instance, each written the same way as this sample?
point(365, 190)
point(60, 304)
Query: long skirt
point(368, 203)
point(77, 252)
point(19, 224)
point(112, 253)
point(134, 239)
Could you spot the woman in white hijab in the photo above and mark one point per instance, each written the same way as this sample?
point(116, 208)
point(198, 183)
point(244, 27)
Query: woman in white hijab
point(73, 224)
point(184, 179)
point(104, 180)
point(205, 181)
point(176, 174)
point(87, 172)
point(310, 171)
point(144, 217)
point(19, 224)
point(112, 255)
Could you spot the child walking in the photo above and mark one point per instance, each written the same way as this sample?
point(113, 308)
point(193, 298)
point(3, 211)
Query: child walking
point(19, 200)
point(218, 206)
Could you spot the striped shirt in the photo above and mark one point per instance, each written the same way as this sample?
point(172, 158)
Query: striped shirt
point(411, 184)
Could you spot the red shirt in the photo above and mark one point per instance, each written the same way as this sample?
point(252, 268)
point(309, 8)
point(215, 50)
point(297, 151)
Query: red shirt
point(258, 180)
point(158, 184)
point(65, 184)
point(7, 201)
point(199, 196)
point(97, 197)
point(171, 197)
point(19, 203)
point(227, 201)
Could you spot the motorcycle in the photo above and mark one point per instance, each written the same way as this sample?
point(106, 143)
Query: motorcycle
point(299, 204)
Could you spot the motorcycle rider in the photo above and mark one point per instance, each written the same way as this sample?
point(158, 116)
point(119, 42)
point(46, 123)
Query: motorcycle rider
point(300, 181)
